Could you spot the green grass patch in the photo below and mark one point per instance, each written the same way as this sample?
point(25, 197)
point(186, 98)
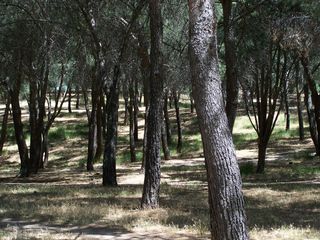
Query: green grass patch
point(241, 140)
point(247, 168)
point(125, 157)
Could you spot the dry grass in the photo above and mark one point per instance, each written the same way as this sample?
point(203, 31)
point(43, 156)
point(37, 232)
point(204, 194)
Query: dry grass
point(66, 202)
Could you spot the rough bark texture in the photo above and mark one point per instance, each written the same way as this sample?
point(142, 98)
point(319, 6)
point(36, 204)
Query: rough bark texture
point(228, 220)
point(232, 84)
point(109, 159)
point(4, 125)
point(151, 187)
point(311, 117)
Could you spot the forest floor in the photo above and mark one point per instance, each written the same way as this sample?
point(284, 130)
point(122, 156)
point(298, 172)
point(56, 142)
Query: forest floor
point(66, 202)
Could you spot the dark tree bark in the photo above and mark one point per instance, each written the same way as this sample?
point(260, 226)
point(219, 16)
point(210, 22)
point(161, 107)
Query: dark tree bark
point(78, 97)
point(311, 117)
point(227, 220)
point(144, 66)
point(69, 98)
point(126, 103)
point(286, 105)
point(191, 104)
point(164, 141)
point(4, 125)
point(99, 149)
point(232, 84)
point(178, 120)
point(109, 159)
point(35, 133)
point(92, 134)
point(262, 150)
point(136, 111)
point(315, 97)
point(18, 126)
point(151, 187)
point(131, 118)
point(167, 119)
point(144, 146)
point(298, 98)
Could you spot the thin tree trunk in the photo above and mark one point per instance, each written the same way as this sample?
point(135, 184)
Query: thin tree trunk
point(45, 149)
point(69, 98)
point(232, 84)
point(92, 135)
point(18, 126)
point(191, 104)
point(178, 121)
point(131, 118)
point(126, 104)
point(144, 147)
point(286, 105)
point(227, 215)
point(35, 133)
point(4, 125)
point(299, 109)
point(99, 150)
point(151, 186)
point(167, 119)
point(315, 99)
point(135, 112)
point(78, 97)
point(311, 117)
point(109, 159)
point(164, 141)
point(262, 150)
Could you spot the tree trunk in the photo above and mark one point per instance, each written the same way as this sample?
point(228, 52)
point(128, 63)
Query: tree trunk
point(126, 104)
point(35, 130)
point(232, 84)
point(144, 147)
point(227, 215)
point(311, 117)
point(92, 135)
point(178, 121)
point(78, 97)
point(4, 125)
point(164, 141)
point(45, 149)
point(151, 187)
point(18, 126)
point(109, 158)
point(131, 118)
point(135, 112)
point(262, 150)
point(299, 109)
point(315, 98)
point(191, 104)
point(69, 98)
point(286, 105)
point(167, 119)
point(99, 150)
